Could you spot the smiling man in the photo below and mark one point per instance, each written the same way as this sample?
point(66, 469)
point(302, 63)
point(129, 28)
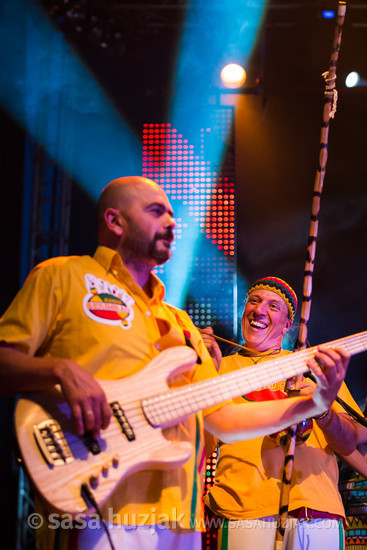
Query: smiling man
point(248, 475)
point(269, 312)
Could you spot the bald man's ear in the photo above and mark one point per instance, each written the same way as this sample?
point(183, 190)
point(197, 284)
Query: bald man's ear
point(114, 221)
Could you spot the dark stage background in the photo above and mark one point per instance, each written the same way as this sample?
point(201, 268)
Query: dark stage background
point(277, 132)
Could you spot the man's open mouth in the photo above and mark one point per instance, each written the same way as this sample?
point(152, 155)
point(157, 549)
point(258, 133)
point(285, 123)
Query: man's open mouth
point(257, 324)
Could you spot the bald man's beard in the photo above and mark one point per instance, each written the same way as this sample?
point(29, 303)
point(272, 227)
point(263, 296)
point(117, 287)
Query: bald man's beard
point(143, 249)
point(159, 255)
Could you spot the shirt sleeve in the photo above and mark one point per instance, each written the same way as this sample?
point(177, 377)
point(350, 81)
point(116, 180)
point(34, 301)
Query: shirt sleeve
point(28, 321)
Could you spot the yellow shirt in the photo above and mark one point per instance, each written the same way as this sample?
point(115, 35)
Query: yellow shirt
point(90, 310)
point(248, 474)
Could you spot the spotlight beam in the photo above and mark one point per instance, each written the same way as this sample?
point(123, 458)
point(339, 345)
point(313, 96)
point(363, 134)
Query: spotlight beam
point(49, 91)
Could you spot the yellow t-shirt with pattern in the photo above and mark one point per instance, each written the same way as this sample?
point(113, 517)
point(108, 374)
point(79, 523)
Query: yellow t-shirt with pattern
point(248, 473)
point(91, 310)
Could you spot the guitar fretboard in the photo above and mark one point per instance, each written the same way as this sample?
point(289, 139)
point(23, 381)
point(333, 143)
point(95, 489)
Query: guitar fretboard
point(168, 407)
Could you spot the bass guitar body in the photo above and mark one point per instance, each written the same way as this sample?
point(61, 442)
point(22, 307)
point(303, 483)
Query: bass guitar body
point(61, 465)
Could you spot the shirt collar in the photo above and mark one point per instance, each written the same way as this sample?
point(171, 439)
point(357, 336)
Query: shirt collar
point(112, 262)
point(108, 258)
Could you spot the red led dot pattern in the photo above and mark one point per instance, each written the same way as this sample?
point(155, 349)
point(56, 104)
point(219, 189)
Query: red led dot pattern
point(185, 175)
point(209, 538)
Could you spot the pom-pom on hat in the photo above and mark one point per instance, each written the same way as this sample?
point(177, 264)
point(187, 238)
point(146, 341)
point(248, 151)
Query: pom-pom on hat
point(281, 288)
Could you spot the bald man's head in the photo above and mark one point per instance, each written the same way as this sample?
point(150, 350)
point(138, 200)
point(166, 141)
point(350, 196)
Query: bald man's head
point(135, 218)
point(119, 194)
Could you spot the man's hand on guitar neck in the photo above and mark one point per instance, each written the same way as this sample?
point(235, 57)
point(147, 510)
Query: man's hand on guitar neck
point(234, 422)
point(20, 372)
point(329, 366)
point(337, 427)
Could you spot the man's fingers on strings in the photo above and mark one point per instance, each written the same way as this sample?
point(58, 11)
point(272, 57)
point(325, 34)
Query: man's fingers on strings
point(78, 418)
point(330, 358)
point(89, 417)
point(317, 371)
point(329, 365)
point(106, 415)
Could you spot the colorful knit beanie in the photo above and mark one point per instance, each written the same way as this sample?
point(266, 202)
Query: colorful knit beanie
point(281, 288)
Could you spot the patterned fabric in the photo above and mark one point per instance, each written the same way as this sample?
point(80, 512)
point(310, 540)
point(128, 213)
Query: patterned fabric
point(353, 489)
point(280, 287)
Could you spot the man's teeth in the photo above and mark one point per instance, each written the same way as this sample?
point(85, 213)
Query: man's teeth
point(257, 324)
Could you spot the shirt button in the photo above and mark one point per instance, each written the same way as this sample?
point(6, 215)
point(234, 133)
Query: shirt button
point(147, 313)
point(114, 272)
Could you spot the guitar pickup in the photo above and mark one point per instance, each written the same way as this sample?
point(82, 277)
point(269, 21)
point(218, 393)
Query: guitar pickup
point(121, 418)
point(52, 443)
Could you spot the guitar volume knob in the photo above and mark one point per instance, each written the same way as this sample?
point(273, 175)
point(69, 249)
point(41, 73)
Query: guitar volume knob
point(115, 461)
point(93, 481)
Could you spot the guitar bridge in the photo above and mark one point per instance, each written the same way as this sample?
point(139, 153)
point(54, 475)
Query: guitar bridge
point(52, 443)
point(121, 418)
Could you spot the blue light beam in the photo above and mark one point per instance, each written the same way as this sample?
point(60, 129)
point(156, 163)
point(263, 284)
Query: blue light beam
point(214, 35)
point(48, 90)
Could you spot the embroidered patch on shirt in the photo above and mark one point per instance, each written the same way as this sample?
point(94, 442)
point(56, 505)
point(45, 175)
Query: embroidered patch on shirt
point(107, 303)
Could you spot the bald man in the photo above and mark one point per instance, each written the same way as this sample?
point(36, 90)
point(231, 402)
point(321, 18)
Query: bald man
point(80, 319)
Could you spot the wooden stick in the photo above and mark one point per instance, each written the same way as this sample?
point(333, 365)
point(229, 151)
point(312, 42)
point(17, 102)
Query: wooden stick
point(330, 96)
point(228, 342)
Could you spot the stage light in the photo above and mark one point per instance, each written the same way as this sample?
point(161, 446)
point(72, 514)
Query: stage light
point(352, 80)
point(233, 76)
point(328, 14)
